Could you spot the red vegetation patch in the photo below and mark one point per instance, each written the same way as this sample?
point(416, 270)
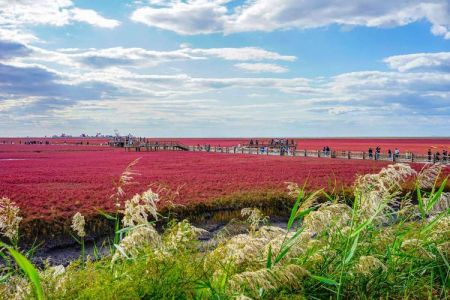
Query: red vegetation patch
point(55, 184)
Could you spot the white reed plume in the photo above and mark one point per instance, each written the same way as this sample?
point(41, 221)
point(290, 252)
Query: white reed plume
point(270, 232)
point(429, 174)
point(54, 277)
point(240, 250)
point(254, 217)
point(332, 217)
point(140, 238)
point(180, 235)
point(441, 229)
point(367, 265)
point(138, 208)
point(126, 178)
point(289, 276)
point(17, 288)
point(293, 189)
point(78, 224)
point(376, 191)
point(9, 218)
point(299, 245)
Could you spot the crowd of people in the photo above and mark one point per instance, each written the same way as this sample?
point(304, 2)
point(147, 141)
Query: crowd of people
point(436, 156)
point(431, 156)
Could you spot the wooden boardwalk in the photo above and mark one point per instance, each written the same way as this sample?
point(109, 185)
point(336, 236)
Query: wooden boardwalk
point(291, 151)
point(358, 155)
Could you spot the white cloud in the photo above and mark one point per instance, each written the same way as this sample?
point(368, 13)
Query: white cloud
point(203, 16)
point(420, 61)
point(139, 57)
point(261, 68)
point(93, 18)
point(240, 54)
point(193, 17)
point(49, 12)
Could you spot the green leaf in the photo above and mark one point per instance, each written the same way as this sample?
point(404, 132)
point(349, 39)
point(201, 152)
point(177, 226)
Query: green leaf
point(106, 215)
point(28, 268)
point(352, 250)
point(324, 280)
point(431, 224)
point(294, 209)
point(269, 258)
point(436, 196)
point(286, 246)
point(421, 204)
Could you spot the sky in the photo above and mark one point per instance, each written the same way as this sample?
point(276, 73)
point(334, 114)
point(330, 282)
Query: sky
point(225, 68)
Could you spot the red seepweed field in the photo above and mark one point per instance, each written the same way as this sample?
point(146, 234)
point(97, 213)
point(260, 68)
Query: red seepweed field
point(53, 181)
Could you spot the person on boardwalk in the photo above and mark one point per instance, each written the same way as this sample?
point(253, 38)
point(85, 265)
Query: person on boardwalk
point(397, 153)
point(377, 153)
point(437, 157)
point(370, 153)
point(429, 154)
point(444, 156)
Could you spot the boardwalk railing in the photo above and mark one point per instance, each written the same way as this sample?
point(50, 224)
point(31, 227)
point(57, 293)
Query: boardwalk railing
point(155, 146)
point(176, 146)
point(405, 157)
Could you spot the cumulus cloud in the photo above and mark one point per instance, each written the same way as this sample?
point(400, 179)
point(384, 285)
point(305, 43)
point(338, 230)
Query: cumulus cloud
point(210, 16)
point(420, 61)
point(49, 12)
point(192, 17)
point(261, 68)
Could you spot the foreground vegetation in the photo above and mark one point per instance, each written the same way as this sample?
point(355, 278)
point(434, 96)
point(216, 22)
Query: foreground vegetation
point(384, 245)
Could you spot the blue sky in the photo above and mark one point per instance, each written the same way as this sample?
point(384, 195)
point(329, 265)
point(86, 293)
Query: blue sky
point(206, 68)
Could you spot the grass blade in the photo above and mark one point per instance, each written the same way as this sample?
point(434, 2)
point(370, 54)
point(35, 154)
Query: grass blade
point(324, 280)
point(352, 250)
point(27, 267)
point(436, 196)
point(269, 258)
point(294, 209)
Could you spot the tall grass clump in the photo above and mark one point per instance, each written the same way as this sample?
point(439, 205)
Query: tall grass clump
point(386, 244)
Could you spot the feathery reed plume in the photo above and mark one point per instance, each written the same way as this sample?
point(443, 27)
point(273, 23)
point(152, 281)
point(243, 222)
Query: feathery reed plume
point(126, 178)
point(254, 217)
point(299, 246)
point(18, 288)
point(293, 189)
point(376, 191)
point(240, 250)
point(138, 209)
point(78, 224)
point(268, 279)
point(331, 217)
point(54, 277)
point(270, 232)
point(368, 264)
point(9, 219)
point(180, 235)
point(441, 230)
point(427, 177)
point(139, 239)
